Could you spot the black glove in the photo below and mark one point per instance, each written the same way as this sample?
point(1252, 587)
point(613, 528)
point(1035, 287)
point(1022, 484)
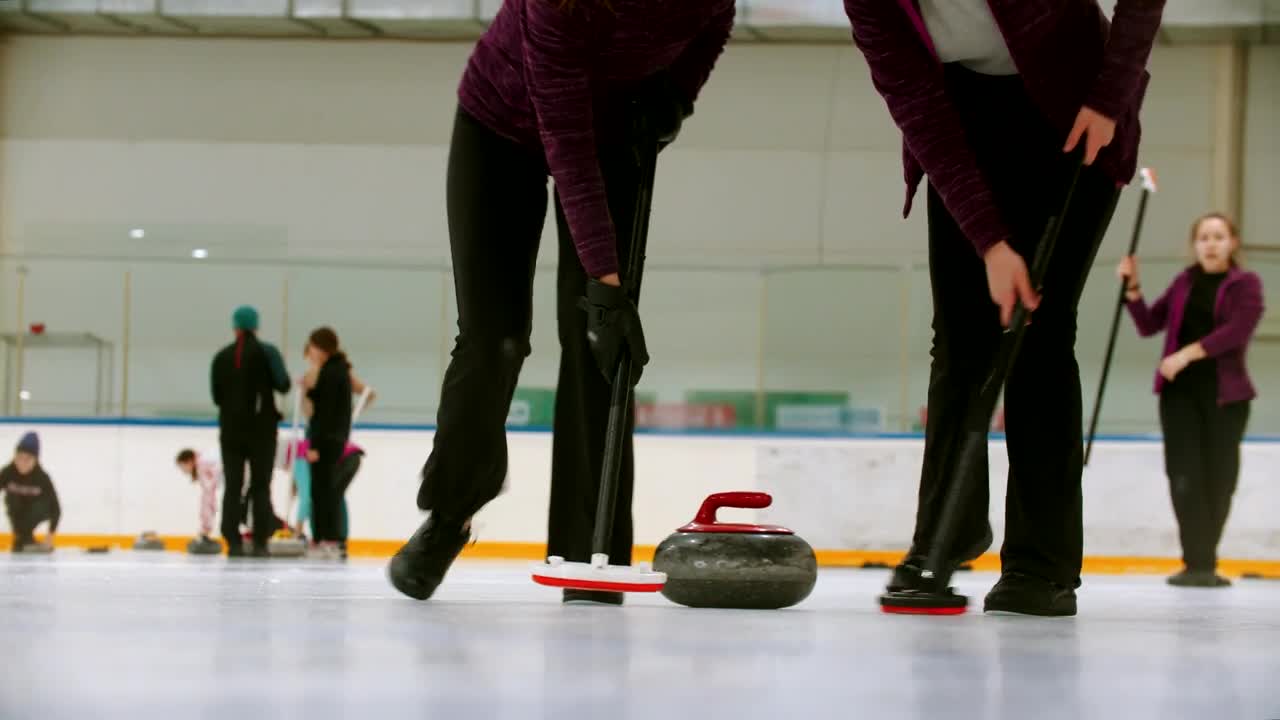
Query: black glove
point(613, 323)
point(664, 107)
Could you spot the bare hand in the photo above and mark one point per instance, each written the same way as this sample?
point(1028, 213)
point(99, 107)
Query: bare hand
point(309, 378)
point(1097, 129)
point(1173, 364)
point(1008, 281)
point(611, 279)
point(314, 456)
point(1127, 271)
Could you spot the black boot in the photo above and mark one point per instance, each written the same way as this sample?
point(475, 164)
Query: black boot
point(1023, 594)
point(906, 576)
point(1198, 579)
point(595, 597)
point(418, 567)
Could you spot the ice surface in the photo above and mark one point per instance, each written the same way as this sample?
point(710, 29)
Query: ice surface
point(132, 635)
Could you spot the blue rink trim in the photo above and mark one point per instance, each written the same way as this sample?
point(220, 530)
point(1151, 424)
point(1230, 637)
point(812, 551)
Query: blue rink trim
point(692, 432)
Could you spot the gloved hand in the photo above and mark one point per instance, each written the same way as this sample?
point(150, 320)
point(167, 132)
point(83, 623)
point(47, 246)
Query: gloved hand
point(664, 106)
point(613, 323)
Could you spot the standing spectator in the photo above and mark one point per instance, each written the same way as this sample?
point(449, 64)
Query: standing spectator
point(328, 387)
point(245, 374)
point(1209, 314)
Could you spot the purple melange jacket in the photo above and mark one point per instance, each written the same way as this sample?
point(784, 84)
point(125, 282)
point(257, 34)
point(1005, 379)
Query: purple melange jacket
point(1067, 54)
point(554, 80)
point(1236, 314)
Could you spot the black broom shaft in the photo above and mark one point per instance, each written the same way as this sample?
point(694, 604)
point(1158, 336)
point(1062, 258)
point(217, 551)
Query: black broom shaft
point(620, 404)
point(1115, 329)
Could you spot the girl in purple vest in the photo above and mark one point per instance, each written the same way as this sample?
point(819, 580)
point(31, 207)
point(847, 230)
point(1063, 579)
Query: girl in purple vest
point(551, 89)
point(1209, 314)
point(991, 96)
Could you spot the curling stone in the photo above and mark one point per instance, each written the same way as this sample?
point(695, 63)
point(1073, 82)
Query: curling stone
point(735, 565)
point(148, 541)
point(286, 543)
point(204, 546)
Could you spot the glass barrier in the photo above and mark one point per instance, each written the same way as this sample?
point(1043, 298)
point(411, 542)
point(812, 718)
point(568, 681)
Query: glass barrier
point(832, 349)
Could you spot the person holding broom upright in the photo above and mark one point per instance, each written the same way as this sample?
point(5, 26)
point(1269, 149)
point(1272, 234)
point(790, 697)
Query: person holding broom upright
point(1209, 314)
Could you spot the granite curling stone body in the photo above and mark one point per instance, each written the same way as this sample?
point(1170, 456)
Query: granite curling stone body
point(710, 564)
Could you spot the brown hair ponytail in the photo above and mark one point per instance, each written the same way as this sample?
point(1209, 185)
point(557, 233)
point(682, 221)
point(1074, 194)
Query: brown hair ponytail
point(325, 340)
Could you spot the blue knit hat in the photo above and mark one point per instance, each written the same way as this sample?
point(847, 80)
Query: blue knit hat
point(245, 318)
point(30, 444)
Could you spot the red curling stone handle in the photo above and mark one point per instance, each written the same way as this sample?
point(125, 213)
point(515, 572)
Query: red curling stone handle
point(750, 500)
point(706, 521)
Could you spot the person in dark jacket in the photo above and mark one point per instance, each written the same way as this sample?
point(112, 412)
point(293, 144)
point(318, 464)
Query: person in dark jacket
point(993, 100)
point(29, 496)
point(1209, 314)
point(552, 88)
point(245, 377)
point(328, 388)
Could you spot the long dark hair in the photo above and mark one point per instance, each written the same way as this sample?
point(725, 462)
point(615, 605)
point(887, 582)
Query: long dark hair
point(325, 340)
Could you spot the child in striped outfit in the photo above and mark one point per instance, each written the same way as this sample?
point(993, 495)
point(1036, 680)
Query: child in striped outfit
point(204, 468)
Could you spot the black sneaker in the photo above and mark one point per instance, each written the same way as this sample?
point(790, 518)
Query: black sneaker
point(418, 567)
point(1023, 594)
point(906, 576)
point(1198, 579)
point(592, 597)
point(235, 551)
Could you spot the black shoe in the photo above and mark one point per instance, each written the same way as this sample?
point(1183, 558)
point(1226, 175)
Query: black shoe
point(418, 567)
point(594, 597)
point(235, 551)
point(1198, 579)
point(906, 576)
point(1024, 594)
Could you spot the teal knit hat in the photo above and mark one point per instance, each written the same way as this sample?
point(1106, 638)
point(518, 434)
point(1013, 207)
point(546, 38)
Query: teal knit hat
point(245, 318)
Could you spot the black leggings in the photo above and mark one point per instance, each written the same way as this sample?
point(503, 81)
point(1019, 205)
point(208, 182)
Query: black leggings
point(1021, 157)
point(1202, 460)
point(497, 201)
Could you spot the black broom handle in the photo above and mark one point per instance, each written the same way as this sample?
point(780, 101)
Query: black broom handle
point(620, 404)
point(1115, 327)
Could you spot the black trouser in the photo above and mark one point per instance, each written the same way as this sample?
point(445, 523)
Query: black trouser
point(497, 200)
point(1202, 459)
point(326, 493)
point(257, 448)
point(1020, 156)
point(24, 516)
point(348, 466)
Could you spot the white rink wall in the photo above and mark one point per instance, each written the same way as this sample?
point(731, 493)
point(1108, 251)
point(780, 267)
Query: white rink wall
point(838, 493)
